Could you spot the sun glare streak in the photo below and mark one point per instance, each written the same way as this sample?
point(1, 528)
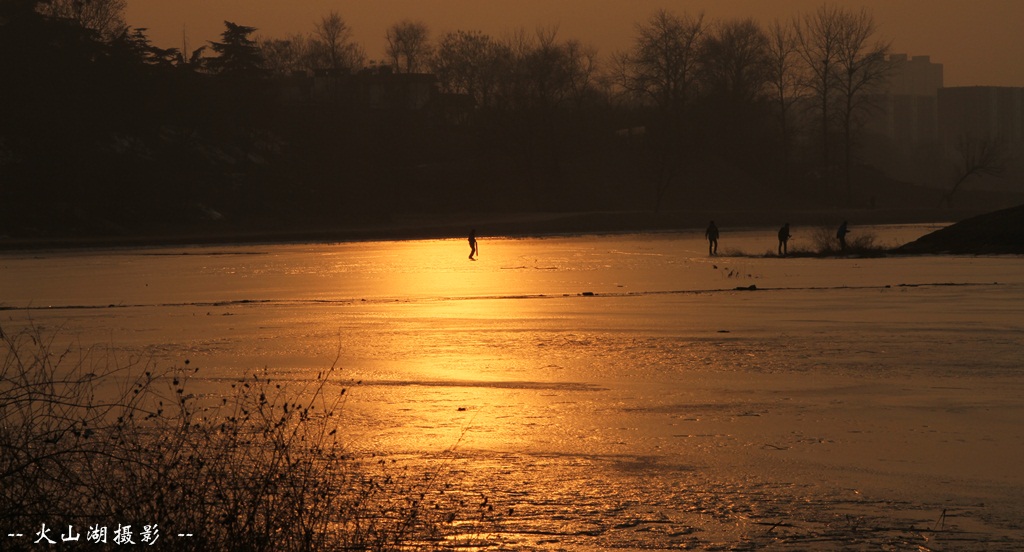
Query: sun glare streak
point(446, 343)
point(441, 269)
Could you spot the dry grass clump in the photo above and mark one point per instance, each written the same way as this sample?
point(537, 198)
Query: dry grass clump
point(88, 442)
point(823, 242)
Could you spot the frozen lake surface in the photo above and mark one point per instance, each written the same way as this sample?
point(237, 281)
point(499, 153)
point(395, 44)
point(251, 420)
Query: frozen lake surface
point(613, 391)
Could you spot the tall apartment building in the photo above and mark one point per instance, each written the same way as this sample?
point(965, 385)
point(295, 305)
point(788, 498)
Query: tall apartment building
point(915, 133)
point(908, 107)
point(903, 130)
point(914, 76)
point(983, 113)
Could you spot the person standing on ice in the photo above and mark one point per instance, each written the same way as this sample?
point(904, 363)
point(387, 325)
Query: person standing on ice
point(784, 236)
point(473, 251)
point(712, 235)
point(841, 234)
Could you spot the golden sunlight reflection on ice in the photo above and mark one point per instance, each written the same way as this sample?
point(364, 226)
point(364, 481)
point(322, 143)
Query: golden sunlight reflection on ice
point(441, 269)
point(444, 364)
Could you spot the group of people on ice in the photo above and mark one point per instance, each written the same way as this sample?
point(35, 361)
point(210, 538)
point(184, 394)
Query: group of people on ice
point(712, 236)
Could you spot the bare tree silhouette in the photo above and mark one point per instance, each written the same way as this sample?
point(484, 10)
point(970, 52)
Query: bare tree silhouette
point(662, 68)
point(976, 157)
point(408, 46)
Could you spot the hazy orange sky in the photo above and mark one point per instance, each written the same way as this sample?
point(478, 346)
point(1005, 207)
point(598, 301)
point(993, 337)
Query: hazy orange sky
point(979, 42)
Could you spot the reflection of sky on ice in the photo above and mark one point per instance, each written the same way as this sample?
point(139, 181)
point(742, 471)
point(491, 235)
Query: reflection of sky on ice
point(666, 388)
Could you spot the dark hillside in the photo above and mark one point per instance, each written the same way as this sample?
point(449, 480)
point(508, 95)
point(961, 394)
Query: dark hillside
point(1000, 232)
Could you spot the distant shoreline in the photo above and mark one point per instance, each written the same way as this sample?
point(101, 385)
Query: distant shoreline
point(419, 227)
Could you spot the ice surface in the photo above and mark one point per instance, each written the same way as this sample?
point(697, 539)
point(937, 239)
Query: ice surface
point(614, 391)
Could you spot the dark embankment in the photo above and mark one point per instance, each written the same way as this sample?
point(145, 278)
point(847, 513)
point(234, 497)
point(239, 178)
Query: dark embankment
point(999, 232)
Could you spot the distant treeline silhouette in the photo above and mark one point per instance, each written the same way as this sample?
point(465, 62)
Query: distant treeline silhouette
point(104, 133)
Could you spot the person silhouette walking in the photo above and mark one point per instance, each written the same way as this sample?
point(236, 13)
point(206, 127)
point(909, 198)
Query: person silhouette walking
point(841, 234)
point(473, 250)
point(784, 236)
point(712, 235)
